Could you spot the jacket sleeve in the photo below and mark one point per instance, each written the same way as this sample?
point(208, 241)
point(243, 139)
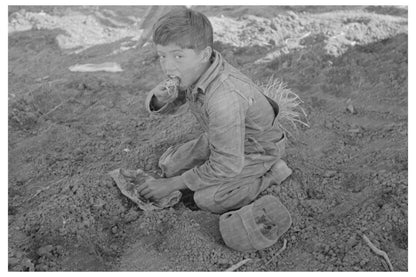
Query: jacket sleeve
point(168, 108)
point(226, 112)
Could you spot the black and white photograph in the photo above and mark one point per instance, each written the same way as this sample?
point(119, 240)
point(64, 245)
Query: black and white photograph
point(207, 138)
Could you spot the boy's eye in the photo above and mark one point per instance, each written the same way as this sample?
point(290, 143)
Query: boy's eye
point(178, 57)
point(161, 56)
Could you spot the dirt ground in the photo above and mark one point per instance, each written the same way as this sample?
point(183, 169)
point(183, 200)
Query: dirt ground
point(67, 129)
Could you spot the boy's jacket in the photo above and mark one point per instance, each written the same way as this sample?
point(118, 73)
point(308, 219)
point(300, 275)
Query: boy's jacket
point(238, 119)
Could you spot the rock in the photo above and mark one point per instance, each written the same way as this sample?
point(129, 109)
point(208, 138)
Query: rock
point(351, 109)
point(262, 254)
point(82, 86)
point(223, 261)
point(114, 229)
point(292, 15)
point(330, 173)
point(354, 130)
point(387, 227)
point(45, 250)
point(27, 265)
point(42, 267)
point(382, 172)
point(59, 250)
point(329, 125)
point(13, 261)
point(363, 262)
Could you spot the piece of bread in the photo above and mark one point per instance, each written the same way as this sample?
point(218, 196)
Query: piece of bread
point(172, 85)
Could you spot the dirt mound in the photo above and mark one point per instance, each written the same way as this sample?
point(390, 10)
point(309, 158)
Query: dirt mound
point(68, 129)
point(81, 29)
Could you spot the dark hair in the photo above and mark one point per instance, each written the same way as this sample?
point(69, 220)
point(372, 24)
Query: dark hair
point(184, 27)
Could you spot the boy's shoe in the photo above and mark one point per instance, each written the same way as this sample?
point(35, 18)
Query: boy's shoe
point(256, 226)
point(280, 171)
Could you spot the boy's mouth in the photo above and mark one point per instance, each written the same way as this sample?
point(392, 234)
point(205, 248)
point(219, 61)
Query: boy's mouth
point(176, 78)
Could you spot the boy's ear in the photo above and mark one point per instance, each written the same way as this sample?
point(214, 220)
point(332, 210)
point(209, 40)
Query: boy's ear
point(206, 54)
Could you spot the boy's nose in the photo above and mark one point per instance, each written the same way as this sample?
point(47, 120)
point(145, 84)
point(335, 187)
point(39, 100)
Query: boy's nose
point(169, 67)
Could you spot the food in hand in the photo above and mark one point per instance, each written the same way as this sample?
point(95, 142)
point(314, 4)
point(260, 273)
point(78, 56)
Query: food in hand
point(172, 87)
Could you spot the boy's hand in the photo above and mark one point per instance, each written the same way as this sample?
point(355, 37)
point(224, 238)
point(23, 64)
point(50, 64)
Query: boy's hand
point(159, 188)
point(165, 92)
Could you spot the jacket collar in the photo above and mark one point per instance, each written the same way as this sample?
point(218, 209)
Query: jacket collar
point(209, 75)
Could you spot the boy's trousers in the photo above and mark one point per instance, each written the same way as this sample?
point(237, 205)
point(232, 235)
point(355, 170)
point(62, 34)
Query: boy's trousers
point(241, 190)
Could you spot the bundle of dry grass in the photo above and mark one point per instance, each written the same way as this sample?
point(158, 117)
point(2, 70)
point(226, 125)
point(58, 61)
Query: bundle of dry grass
point(290, 111)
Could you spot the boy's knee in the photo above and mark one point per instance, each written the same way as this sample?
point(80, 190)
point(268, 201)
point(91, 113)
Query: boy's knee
point(173, 162)
point(205, 200)
point(166, 163)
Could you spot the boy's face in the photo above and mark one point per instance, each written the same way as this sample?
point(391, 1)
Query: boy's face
point(186, 64)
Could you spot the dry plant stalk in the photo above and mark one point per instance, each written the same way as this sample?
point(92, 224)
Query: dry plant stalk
point(378, 252)
point(238, 265)
point(290, 111)
point(278, 252)
point(44, 189)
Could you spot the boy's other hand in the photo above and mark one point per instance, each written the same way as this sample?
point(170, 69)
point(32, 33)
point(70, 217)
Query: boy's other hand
point(158, 188)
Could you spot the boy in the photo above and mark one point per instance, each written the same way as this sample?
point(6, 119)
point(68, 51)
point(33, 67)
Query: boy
point(238, 155)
